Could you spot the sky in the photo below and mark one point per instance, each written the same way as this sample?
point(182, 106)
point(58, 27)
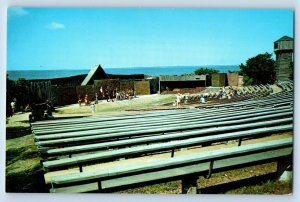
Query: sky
point(69, 38)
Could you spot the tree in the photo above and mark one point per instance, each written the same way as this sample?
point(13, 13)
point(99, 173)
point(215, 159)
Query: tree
point(204, 71)
point(233, 71)
point(259, 70)
point(18, 90)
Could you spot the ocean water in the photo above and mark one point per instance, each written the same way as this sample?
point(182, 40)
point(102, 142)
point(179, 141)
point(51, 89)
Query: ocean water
point(153, 71)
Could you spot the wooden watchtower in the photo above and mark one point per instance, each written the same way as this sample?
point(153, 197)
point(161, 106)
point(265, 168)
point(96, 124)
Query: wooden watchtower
point(284, 50)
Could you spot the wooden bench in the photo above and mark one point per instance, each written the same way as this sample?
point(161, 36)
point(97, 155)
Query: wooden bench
point(187, 168)
point(159, 138)
point(159, 147)
point(160, 120)
point(81, 137)
point(195, 128)
point(287, 99)
point(45, 124)
point(125, 122)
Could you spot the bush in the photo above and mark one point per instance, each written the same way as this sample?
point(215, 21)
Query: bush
point(204, 71)
point(259, 70)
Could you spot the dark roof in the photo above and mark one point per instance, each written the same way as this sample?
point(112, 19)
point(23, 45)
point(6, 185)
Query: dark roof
point(124, 76)
point(64, 81)
point(285, 38)
point(95, 73)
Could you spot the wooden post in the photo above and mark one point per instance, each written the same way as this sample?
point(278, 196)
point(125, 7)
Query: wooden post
point(189, 185)
point(80, 168)
point(240, 141)
point(282, 166)
point(159, 86)
point(172, 154)
point(210, 170)
point(99, 186)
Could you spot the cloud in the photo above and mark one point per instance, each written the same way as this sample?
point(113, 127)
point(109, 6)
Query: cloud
point(18, 11)
point(55, 25)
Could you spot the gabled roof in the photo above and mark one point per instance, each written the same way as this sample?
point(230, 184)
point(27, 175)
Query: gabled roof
point(95, 73)
point(285, 38)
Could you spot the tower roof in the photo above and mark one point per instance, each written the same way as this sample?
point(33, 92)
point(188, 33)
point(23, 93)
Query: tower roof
point(285, 38)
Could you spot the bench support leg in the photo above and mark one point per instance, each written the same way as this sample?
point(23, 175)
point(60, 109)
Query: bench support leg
point(283, 169)
point(99, 186)
point(240, 142)
point(172, 153)
point(189, 185)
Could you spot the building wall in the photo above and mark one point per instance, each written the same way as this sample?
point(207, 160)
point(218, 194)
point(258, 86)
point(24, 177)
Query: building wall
point(283, 69)
point(284, 45)
point(40, 91)
point(218, 80)
point(233, 79)
point(83, 90)
point(110, 84)
point(126, 85)
point(142, 87)
point(241, 81)
point(154, 85)
point(64, 95)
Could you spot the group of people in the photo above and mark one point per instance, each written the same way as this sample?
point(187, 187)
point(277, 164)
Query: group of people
point(40, 111)
point(102, 94)
point(223, 93)
point(184, 98)
point(13, 107)
point(109, 95)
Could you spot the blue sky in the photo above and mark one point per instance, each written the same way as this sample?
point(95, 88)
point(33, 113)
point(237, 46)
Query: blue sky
point(51, 38)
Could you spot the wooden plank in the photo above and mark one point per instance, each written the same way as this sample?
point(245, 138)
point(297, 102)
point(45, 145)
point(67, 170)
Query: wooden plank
point(160, 138)
point(181, 160)
point(200, 169)
point(204, 116)
point(86, 120)
point(197, 123)
point(106, 118)
point(160, 117)
point(156, 130)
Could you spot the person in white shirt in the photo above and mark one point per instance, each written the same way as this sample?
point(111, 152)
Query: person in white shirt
point(178, 99)
point(13, 106)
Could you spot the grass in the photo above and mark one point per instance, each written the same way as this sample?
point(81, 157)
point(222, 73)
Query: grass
point(250, 180)
point(119, 106)
point(23, 170)
point(269, 187)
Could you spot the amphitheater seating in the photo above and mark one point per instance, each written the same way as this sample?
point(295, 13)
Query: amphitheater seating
point(80, 143)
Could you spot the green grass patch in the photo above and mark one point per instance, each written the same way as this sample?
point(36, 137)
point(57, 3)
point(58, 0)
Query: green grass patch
point(269, 187)
point(119, 106)
point(23, 170)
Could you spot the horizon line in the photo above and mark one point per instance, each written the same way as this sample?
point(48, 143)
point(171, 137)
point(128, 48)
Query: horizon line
point(123, 67)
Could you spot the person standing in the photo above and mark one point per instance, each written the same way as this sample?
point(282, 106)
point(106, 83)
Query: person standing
point(93, 108)
point(86, 99)
point(101, 93)
point(79, 100)
point(96, 98)
point(13, 107)
point(202, 100)
point(178, 98)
